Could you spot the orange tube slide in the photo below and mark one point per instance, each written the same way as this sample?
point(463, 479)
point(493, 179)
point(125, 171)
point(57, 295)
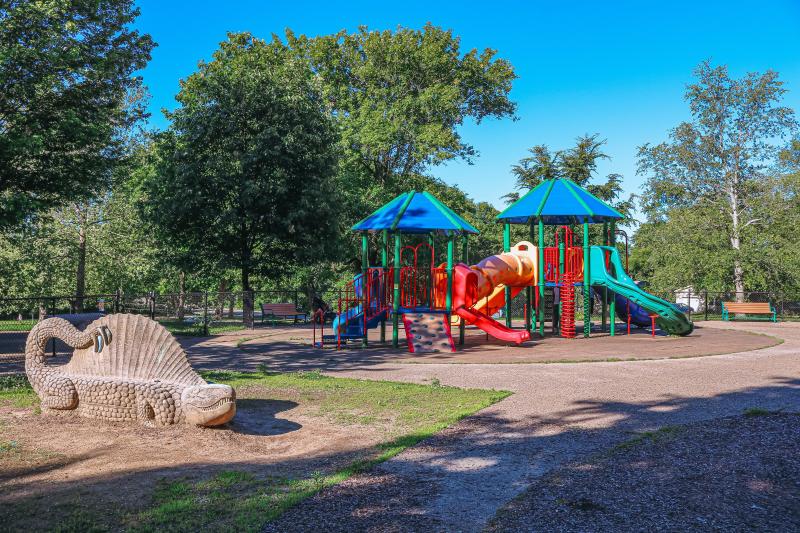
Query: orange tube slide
point(479, 290)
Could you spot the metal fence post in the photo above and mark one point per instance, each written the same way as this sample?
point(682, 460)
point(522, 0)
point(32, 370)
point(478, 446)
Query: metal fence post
point(706, 300)
point(205, 313)
point(152, 305)
point(690, 303)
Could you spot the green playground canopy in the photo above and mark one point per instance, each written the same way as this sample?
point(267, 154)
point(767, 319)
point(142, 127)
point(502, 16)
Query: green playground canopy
point(415, 212)
point(558, 201)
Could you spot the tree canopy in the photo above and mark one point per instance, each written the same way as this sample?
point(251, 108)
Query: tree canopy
point(711, 183)
point(577, 163)
point(67, 95)
point(243, 176)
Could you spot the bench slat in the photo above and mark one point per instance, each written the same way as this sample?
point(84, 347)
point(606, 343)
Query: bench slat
point(747, 308)
point(282, 310)
point(751, 307)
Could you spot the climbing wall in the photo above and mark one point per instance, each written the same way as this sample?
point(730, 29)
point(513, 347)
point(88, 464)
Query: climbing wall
point(428, 332)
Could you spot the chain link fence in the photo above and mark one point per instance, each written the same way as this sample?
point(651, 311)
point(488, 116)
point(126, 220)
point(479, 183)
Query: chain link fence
point(208, 313)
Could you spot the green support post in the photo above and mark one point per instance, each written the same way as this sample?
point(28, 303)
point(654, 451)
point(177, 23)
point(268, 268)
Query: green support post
point(604, 293)
point(613, 303)
point(396, 295)
point(541, 278)
point(364, 282)
point(384, 265)
point(465, 260)
point(449, 296)
point(507, 248)
point(587, 303)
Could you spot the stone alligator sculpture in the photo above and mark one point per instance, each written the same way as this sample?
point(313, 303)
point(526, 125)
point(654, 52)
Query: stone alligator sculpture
point(124, 368)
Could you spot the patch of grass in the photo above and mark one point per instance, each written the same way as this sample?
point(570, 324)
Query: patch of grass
point(236, 500)
point(17, 391)
point(195, 329)
point(80, 520)
point(659, 435)
point(17, 325)
point(396, 407)
point(9, 447)
point(752, 412)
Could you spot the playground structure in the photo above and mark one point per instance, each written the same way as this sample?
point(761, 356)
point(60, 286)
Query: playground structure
point(432, 297)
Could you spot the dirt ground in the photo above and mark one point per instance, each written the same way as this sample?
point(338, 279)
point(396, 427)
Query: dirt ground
point(64, 460)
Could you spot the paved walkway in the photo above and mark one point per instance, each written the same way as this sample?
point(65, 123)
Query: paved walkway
point(458, 480)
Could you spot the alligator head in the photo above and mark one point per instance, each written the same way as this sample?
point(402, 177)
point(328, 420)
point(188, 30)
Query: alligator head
point(208, 405)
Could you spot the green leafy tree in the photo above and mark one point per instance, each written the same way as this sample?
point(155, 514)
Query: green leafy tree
point(400, 96)
point(716, 167)
point(66, 72)
point(244, 176)
point(399, 99)
point(579, 164)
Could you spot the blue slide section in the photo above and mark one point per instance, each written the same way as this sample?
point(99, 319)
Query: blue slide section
point(350, 323)
point(639, 315)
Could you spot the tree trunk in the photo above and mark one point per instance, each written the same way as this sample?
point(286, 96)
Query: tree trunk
point(736, 244)
point(181, 295)
point(80, 271)
point(247, 297)
point(219, 308)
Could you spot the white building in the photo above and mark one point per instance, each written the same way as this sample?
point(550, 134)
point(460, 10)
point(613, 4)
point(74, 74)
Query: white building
point(690, 297)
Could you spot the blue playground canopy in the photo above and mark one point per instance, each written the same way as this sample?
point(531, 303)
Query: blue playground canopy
point(558, 201)
point(415, 212)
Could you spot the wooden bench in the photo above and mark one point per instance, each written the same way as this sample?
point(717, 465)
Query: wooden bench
point(747, 308)
point(273, 312)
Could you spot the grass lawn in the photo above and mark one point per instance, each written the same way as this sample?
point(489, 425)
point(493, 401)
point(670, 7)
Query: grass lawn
point(176, 327)
point(236, 499)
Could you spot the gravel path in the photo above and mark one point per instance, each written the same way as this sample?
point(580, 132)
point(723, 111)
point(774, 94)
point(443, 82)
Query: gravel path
point(458, 480)
point(731, 474)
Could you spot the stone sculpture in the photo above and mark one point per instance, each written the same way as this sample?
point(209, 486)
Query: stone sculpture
point(124, 368)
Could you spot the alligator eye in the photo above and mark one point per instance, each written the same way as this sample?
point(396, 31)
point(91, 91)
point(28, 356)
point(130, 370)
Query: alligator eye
point(106, 334)
point(99, 342)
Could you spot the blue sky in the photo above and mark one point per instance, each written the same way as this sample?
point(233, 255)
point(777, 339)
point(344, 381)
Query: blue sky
point(614, 68)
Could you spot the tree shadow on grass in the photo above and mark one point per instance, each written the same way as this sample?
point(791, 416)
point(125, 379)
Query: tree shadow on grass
point(454, 480)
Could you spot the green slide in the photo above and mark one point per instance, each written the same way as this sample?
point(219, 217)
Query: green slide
point(670, 319)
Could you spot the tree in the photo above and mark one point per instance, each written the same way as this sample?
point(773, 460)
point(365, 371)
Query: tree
point(67, 67)
point(399, 97)
point(244, 173)
point(579, 164)
point(716, 163)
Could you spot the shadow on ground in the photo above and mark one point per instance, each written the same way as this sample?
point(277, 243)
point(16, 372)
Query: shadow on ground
point(492, 458)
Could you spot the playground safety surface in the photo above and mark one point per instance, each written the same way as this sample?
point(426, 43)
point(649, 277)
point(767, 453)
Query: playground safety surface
point(289, 348)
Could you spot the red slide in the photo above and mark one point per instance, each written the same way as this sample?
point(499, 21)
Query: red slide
point(492, 326)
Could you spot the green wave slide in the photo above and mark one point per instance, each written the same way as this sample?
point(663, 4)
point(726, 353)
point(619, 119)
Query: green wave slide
point(670, 319)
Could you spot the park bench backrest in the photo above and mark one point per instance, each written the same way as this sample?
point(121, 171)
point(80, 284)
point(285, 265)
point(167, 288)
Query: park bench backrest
point(753, 308)
point(279, 309)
